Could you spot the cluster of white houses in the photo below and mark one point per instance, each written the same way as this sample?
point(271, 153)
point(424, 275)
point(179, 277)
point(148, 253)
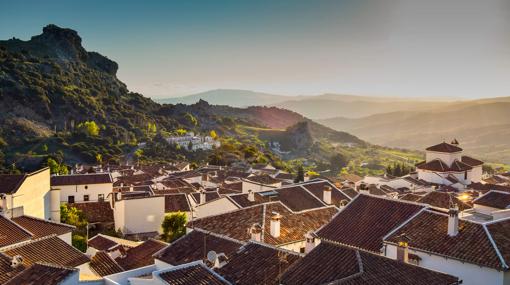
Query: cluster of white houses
point(193, 142)
point(443, 224)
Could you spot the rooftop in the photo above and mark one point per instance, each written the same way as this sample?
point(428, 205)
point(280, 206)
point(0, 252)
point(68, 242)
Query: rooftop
point(81, 179)
point(444, 147)
point(141, 255)
point(197, 274)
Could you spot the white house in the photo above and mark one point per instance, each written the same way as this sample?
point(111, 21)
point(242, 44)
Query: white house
point(90, 187)
point(139, 215)
point(445, 165)
point(26, 194)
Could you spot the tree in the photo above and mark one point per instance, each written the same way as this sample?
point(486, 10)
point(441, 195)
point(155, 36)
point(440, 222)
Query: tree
point(338, 161)
point(89, 127)
point(181, 132)
point(191, 119)
point(99, 158)
point(72, 216)
point(300, 177)
point(213, 134)
point(55, 167)
point(44, 148)
point(138, 153)
point(80, 242)
point(173, 226)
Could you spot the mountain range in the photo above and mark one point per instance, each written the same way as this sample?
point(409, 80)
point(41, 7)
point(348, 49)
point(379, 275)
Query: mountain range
point(482, 125)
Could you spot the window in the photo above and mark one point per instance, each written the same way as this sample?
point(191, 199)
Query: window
point(85, 198)
point(302, 250)
point(100, 197)
point(465, 175)
point(86, 187)
point(70, 199)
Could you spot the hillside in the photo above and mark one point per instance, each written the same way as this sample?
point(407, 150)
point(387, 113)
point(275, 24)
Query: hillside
point(482, 127)
point(60, 101)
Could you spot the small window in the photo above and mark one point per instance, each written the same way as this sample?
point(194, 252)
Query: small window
point(85, 198)
point(86, 187)
point(302, 250)
point(70, 199)
point(100, 197)
point(465, 175)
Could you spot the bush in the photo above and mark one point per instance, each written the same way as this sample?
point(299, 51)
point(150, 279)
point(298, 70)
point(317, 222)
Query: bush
point(80, 242)
point(174, 226)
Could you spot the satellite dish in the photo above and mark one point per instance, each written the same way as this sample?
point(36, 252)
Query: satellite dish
point(211, 256)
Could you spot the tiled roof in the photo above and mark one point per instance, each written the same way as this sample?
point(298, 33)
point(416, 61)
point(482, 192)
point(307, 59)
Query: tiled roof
point(95, 212)
point(351, 177)
point(297, 198)
point(257, 264)
point(444, 147)
point(100, 242)
point(442, 200)
point(141, 255)
point(411, 197)
point(11, 233)
point(500, 233)
point(209, 196)
point(335, 264)
point(487, 187)
point(196, 274)
point(429, 232)
point(439, 166)
point(175, 183)
point(195, 246)
point(285, 176)
point(43, 274)
point(6, 271)
point(471, 161)
point(494, 199)
point(176, 203)
point(48, 249)
point(9, 183)
point(350, 192)
point(103, 264)
point(263, 179)
point(41, 228)
point(366, 220)
point(243, 202)
point(458, 166)
point(293, 225)
point(317, 189)
point(81, 179)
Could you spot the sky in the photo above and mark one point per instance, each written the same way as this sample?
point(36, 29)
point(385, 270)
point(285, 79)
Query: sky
point(409, 48)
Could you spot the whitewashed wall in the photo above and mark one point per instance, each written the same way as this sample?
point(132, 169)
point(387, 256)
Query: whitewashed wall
point(78, 191)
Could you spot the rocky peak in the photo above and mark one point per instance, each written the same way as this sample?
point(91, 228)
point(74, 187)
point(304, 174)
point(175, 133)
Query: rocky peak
point(64, 43)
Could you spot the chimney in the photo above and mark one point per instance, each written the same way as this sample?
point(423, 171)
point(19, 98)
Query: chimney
point(16, 261)
point(251, 196)
point(3, 197)
point(453, 220)
point(403, 248)
point(131, 188)
point(205, 177)
point(275, 224)
point(202, 196)
point(310, 242)
point(256, 232)
point(326, 195)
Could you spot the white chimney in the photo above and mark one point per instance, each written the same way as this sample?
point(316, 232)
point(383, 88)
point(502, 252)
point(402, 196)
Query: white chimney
point(3, 197)
point(202, 197)
point(326, 195)
point(275, 225)
point(453, 221)
point(403, 248)
point(251, 196)
point(256, 232)
point(131, 188)
point(55, 205)
point(16, 261)
point(310, 242)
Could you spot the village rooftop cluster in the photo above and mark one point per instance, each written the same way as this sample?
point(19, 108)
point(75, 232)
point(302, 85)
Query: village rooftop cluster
point(446, 223)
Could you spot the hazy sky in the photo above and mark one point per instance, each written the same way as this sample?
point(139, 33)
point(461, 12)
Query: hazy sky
point(458, 48)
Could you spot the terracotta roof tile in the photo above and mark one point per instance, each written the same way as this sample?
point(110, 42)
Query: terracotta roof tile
point(429, 232)
point(101, 243)
point(439, 166)
point(411, 197)
point(12, 233)
point(192, 275)
point(263, 179)
point(297, 198)
point(257, 264)
point(444, 147)
point(317, 189)
point(293, 226)
point(41, 228)
point(366, 220)
point(103, 264)
point(81, 179)
point(500, 233)
point(141, 255)
point(442, 200)
point(43, 274)
point(344, 265)
point(209, 196)
point(471, 161)
point(494, 199)
point(9, 183)
point(243, 202)
point(96, 212)
point(195, 246)
point(176, 203)
point(48, 249)
point(6, 271)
